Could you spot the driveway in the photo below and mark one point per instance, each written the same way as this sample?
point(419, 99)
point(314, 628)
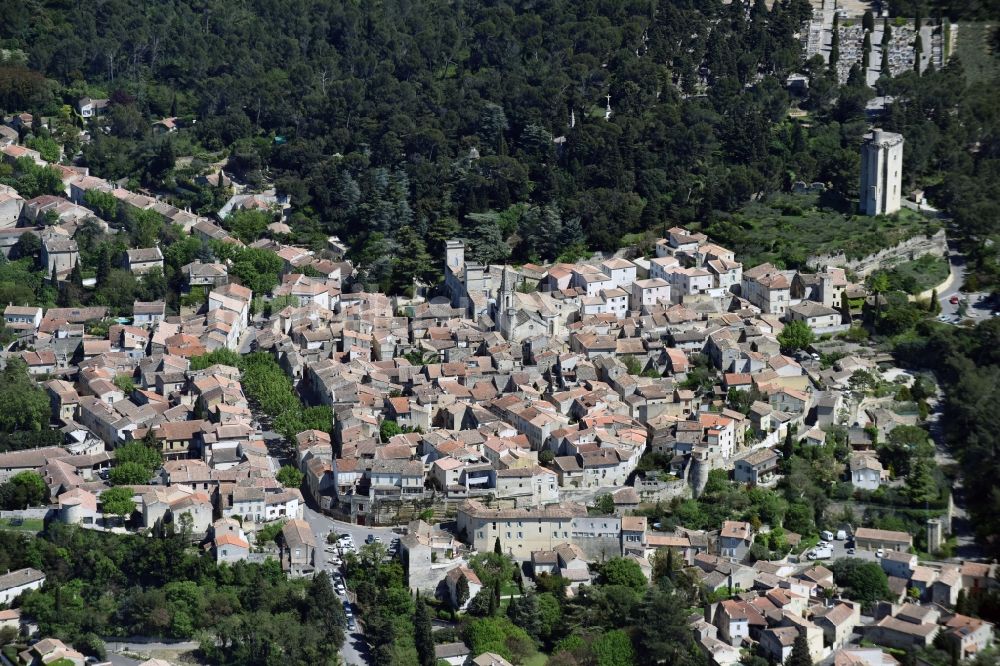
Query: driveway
point(146, 649)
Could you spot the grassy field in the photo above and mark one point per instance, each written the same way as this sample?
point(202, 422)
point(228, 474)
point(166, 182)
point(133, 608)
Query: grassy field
point(537, 659)
point(788, 228)
point(919, 275)
point(974, 49)
point(33, 525)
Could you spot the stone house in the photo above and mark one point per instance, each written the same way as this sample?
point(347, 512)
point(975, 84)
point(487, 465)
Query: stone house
point(59, 255)
point(735, 539)
point(298, 548)
point(867, 472)
point(143, 260)
point(453, 582)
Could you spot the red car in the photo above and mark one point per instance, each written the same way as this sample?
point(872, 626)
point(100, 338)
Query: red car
point(953, 300)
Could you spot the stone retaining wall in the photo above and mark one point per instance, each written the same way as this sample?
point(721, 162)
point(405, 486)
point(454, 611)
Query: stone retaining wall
point(907, 250)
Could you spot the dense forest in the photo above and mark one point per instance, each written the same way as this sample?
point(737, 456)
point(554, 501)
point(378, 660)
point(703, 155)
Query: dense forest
point(125, 585)
point(399, 124)
point(967, 363)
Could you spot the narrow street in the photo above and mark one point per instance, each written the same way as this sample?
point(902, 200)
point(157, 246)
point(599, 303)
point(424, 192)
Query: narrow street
point(961, 527)
point(355, 649)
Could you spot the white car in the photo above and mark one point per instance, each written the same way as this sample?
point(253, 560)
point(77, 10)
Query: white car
point(880, 553)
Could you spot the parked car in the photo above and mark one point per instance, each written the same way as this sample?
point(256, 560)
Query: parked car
point(880, 553)
point(953, 300)
point(351, 624)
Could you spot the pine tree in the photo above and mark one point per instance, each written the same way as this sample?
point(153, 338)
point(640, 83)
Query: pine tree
point(886, 32)
point(325, 609)
point(496, 547)
point(884, 69)
point(423, 638)
point(868, 21)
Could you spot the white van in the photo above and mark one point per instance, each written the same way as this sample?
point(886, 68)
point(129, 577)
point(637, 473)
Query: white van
point(820, 553)
point(827, 535)
point(841, 535)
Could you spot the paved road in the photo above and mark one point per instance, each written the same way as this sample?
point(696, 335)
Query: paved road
point(247, 340)
point(121, 660)
point(974, 309)
point(961, 527)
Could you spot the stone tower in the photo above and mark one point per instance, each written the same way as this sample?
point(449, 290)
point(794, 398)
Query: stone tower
point(881, 172)
point(454, 253)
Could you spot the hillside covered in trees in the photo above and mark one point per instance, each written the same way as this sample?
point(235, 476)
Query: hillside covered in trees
point(399, 124)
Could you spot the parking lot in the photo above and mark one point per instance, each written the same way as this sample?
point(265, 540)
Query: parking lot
point(840, 549)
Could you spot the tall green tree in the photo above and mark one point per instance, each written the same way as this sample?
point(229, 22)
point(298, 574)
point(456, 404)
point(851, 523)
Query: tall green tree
point(118, 502)
point(423, 637)
point(835, 42)
point(23, 490)
point(795, 335)
point(24, 406)
point(800, 652)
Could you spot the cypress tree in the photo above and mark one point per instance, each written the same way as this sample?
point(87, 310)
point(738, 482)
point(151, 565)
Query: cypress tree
point(495, 597)
point(423, 638)
point(835, 42)
point(800, 652)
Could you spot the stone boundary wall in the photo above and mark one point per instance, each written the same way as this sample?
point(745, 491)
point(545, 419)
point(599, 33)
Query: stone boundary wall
point(907, 250)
